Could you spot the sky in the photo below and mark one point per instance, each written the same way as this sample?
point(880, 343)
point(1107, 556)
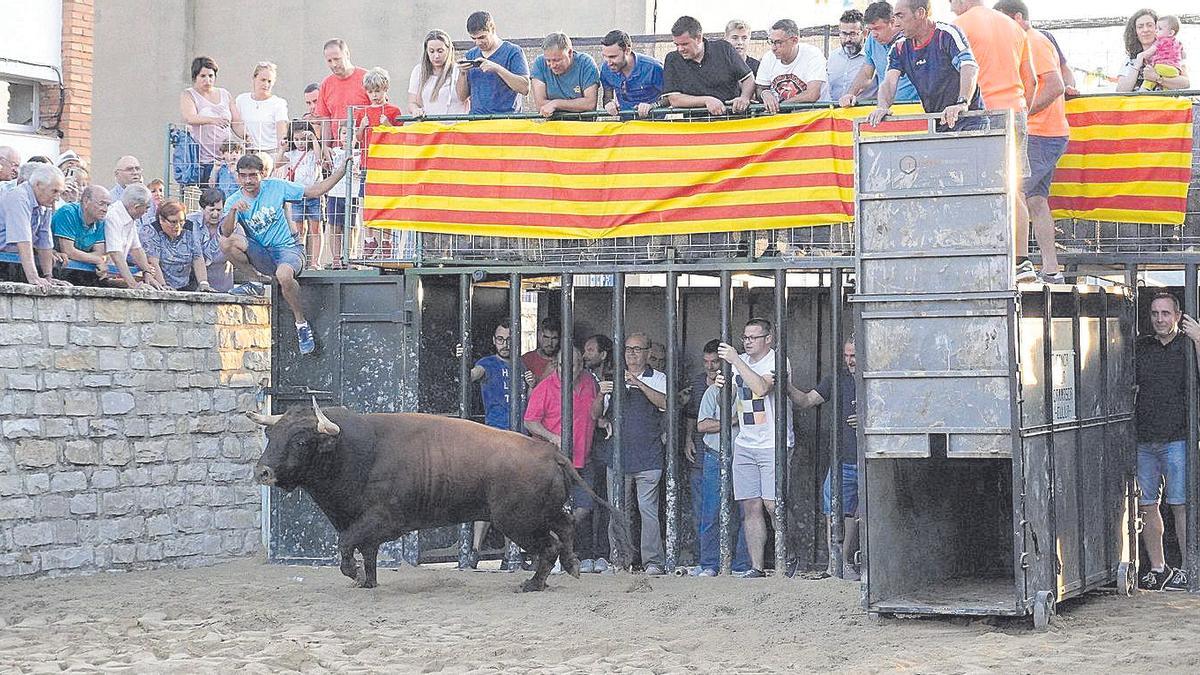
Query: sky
point(1087, 50)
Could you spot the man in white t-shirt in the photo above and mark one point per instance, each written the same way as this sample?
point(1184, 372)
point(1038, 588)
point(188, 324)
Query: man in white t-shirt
point(791, 71)
point(121, 239)
point(754, 448)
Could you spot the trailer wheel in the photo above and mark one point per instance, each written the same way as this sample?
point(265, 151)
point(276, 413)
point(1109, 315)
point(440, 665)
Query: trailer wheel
point(1043, 609)
point(1126, 578)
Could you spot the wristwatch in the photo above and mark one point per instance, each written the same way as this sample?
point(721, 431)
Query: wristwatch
point(960, 101)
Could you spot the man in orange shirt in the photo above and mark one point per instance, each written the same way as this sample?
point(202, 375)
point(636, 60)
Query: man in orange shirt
point(1007, 82)
point(341, 88)
point(1048, 132)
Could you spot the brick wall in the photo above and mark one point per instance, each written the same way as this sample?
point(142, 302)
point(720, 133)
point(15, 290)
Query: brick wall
point(123, 442)
point(78, 19)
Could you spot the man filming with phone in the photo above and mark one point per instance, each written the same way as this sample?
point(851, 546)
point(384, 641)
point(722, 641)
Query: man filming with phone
point(493, 73)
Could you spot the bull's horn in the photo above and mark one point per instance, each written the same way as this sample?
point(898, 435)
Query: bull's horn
point(265, 420)
point(324, 424)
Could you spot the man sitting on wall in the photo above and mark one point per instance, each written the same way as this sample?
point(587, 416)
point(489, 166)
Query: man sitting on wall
point(25, 224)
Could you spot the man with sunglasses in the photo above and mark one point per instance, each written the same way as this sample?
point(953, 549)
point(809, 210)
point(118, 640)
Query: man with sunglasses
point(754, 447)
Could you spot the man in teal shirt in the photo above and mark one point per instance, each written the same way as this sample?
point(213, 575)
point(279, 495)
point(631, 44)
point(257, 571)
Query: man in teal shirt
point(883, 34)
point(78, 228)
point(563, 79)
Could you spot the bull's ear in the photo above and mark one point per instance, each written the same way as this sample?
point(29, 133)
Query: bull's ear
point(324, 424)
point(265, 420)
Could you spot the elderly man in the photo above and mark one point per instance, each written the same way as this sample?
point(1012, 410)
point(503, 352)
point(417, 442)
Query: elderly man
point(883, 34)
point(563, 79)
point(25, 224)
point(792, 71)
point(703, 73)
point(128, 172)
point(493, 74)
point(10, 162)
point(844, 63)
point(631, 81)
point(78, 228)
point(265, 245)
point(343, 86)
point(122, 240)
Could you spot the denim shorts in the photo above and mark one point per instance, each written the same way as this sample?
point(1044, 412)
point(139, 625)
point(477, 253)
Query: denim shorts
point(335, 210)
point(308, 208)
point(267, 260)
point(1156, 459)
point(849, 491)
point(1044, 152)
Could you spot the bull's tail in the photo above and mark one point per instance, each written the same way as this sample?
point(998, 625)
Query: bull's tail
point(617, 518)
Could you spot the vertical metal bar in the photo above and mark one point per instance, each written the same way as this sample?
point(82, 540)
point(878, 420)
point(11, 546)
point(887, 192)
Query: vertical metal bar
point(351, 192)
point(465, 530)
point(783, 407)
point(837, 524)
point(814, 320)
point(672, 450)
point(516, 386)
point(726, 515)
point(1191, 556)
point(1105, 447)
point(566, 355)
point(618, 394)
point(1048, 405)
point(169, 170)
point(1077, 375)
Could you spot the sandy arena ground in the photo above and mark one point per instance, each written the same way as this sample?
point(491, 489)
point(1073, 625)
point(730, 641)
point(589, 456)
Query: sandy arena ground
point(265, 618)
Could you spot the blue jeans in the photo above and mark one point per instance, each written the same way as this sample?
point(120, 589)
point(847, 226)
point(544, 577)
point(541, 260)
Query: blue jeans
point(1156, 460)
point(708, 520)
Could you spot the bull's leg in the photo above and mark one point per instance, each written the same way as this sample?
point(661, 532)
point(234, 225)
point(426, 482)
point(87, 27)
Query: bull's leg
point(564, 529)
point(545, 546)
point(349, 566)
point(370, 554)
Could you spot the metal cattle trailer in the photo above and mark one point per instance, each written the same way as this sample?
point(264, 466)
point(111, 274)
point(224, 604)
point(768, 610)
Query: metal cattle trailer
point(997, 432)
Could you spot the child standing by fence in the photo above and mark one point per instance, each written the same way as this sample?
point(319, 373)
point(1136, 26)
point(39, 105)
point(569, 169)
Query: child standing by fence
point(381, 112)
point(303, 159)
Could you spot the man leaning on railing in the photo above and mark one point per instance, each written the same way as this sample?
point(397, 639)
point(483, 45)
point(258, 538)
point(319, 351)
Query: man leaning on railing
point(703, 73)
point(25, 224)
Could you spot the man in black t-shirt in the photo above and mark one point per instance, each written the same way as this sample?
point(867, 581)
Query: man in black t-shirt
point(1161, 419)
point(704, 73)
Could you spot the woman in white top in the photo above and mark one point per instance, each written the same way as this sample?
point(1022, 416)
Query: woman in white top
point(209, 112)
point(264, 114)
point(431, 86)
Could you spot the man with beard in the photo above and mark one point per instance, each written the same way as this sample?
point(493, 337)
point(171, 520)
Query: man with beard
point(883, 33)
point(541, 361)
point(792, 71)
point(844, 63)
point(630, 81)
point(591, 534)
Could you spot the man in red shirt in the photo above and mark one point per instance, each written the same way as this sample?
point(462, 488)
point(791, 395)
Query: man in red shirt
point(343, 87)
point(539, 362)
point(1006, 82)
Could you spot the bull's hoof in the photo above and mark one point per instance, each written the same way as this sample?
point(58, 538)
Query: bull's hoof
point(350, 569)
point(361, 580)
point(533, 585)
point(573, 567)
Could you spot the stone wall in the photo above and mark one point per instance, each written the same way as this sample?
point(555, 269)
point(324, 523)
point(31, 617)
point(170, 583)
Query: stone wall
point(123, 442)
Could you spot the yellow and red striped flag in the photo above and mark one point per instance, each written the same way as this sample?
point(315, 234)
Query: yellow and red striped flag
point(1129, 160)
point(603, 179)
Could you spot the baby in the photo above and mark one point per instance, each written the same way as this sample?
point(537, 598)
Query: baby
point(1166, 55)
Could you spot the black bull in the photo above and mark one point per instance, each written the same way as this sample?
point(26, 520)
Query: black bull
point(379, 476)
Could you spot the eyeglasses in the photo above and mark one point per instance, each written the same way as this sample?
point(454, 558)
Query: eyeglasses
point(752, 338)
point(502, 340)
point(778, 43)
point(849, 33)
point(636, 350)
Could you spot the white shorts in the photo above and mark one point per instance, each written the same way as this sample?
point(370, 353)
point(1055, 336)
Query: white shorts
point(753, 472)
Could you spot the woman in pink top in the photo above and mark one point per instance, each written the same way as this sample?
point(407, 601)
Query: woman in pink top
point(209, 112)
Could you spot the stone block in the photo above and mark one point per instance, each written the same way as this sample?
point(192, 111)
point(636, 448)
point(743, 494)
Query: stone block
point(27, 334)
point(119, 502)
point(240, 379)
point(81, 402)
point(210, 424)
point(175, 402)
point(231, 447)
point(179, 449)
point(159, 525)
point(224, 400)
point(89, 531)
point(208, 359)
point(149, 498)
point(16, 402)
point(179, 361)
point(121, 529)
point(67, 558)
point(7, 463)
point(162, 474)
point(115, 451)
point(81, 452)
point(58, 309)
point(84, 504)
point(68, 481)
point(33, 534)
point(95, 336)
point(248, 494)
point(112, 358)
point(257, 361)
point(107, 310)
point(66, 532)
point(58, 427)
point(191, 473)
point(235, 519)
point(229, 315)
point(48, 403)
point(149, 552)
point(116, 402)
point(98, 381)
point(160, 335)
point(123, 554)
point(172, 496)
point(205, 447)
point(198, 337)
point(22, 307)
point(137, 426)
point(35, 454)
point(56, 334)
point(5, 308)
point(230, 360)
point(193, 520)
point(55, 379)
point(256, 314)
point(104, 479)
point(16, 508)
point(18, 381)
point(19, 564)
point(166, 426)
point(11, 485)
point(223, 472)
point(128, 336)
point(178, 312)
point(200, 495)
point(204, 313)
point(104, 427)
point(204, 381)
point(183, 545)
point(76, 359)
point(223, 495)
point(145, 452)
point(135, 477)
point(53, 506)
point(37, 483)
point(211, 544)
point(147, 359)
point(240, 424)
point(38, 357)
point(29, 427)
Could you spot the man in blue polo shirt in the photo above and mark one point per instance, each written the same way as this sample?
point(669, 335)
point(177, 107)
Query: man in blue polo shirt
point(563, 79)
point(882, 36)
point(938, 61)
point(493, 73)
point(631, 81)
point(265, 246)
point(78, 228)
point(25, 224)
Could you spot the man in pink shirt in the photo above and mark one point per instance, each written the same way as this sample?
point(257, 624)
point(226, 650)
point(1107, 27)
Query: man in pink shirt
point(343, 87)
point(1006, 82)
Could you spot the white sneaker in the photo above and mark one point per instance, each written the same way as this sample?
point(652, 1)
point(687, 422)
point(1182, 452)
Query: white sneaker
point(653, 570)
point(557, 568)
point(707, 572)
point(587, 566)
point(601, 566)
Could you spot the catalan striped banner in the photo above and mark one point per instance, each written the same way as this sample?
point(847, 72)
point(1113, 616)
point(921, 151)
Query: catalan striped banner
point(1129, 160)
